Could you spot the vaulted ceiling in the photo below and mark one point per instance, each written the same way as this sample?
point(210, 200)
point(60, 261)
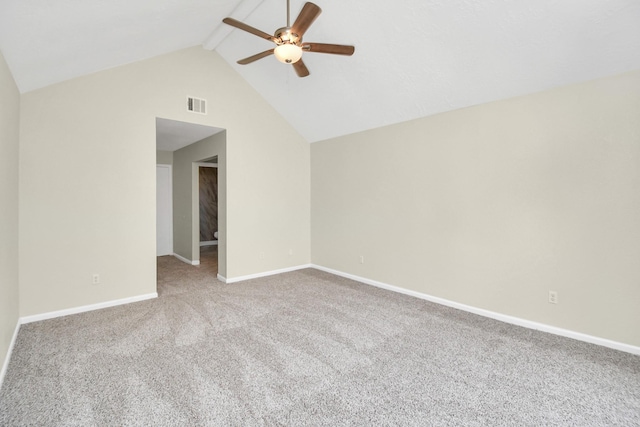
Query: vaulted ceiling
point(413, 58)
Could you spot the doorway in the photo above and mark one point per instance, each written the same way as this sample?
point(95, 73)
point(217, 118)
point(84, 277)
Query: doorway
point(208, 212)
point(183, 146)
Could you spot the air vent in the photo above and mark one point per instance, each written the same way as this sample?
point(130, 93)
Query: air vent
point(197, 105)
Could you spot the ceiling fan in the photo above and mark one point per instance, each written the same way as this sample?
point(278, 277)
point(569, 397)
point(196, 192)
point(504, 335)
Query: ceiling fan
point(288, 40)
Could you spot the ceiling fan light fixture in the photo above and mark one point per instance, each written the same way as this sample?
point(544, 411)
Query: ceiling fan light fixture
point(288, 40)
point(288, 53)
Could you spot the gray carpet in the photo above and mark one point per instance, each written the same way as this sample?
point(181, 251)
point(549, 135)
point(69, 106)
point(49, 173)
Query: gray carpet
point(305, 349)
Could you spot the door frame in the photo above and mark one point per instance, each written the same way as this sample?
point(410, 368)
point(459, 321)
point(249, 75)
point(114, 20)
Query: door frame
point(170, 169)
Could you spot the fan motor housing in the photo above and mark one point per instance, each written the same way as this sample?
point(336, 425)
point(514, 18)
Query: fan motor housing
point(284, 35)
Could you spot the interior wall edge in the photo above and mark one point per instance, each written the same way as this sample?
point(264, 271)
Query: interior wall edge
point(7, 357)
point(10, 116)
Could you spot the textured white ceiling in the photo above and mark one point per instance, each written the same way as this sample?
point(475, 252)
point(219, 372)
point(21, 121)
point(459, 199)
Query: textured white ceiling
point(413, 58)
point(420, 57)
point(45, 41)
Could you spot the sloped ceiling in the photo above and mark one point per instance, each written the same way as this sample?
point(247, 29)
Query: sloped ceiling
point(413, 58)
point(45, 42)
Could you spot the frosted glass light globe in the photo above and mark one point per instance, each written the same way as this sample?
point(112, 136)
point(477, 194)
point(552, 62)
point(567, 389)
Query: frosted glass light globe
point(288, 53)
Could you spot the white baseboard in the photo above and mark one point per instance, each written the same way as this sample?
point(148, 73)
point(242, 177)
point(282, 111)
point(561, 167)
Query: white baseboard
point(265, 274)
point(222, 278)
point(491, 314)
point(7, 358)
point(84, 308)
point(209, 243)
point(188, 261)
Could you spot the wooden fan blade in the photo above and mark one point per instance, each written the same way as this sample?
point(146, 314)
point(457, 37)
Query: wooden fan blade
point(301, 69)
point(255, 57)
point(308, 14)
point(248, 28)
point(336, 49)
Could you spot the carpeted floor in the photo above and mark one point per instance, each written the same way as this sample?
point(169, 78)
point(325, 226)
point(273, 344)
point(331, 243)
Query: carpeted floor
point(305, 349)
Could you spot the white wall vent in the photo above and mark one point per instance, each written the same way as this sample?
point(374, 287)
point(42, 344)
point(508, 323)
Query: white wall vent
point(197, 105)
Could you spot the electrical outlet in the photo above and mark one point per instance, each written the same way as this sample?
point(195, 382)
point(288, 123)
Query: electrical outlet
point(361, 259)
point(553, 297)
point(95, 279)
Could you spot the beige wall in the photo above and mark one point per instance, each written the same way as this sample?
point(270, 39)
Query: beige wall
point(9, 134)
point(87, 171)
point(495, 205)
point(490, 206)
point(186, 219)
point(164, 157)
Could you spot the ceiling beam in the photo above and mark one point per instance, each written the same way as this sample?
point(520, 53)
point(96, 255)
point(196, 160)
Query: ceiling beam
point(241, 13)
